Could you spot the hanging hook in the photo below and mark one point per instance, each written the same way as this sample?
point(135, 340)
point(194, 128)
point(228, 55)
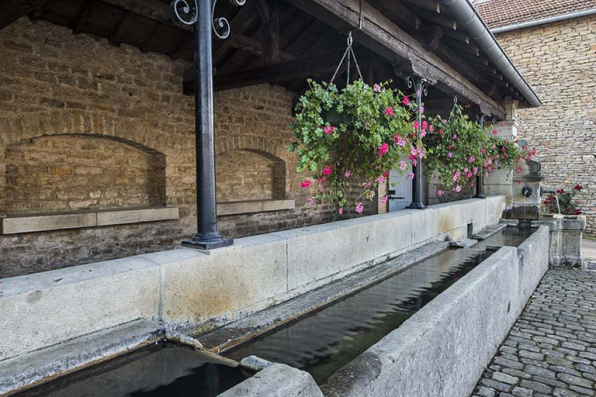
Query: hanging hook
point(454, 106)
point(361, 19)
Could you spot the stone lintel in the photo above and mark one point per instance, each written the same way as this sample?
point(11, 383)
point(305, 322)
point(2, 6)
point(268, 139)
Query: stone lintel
point(61, 221)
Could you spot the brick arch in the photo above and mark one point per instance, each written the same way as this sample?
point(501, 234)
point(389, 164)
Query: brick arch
point(267, 149)
point(257, 145)
point(18, 130)
point(36, 125)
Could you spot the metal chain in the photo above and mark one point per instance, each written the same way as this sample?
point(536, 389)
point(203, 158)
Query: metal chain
point(349, 52)
point(453, 108)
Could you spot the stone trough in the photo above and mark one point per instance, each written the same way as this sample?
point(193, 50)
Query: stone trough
point(128, 303)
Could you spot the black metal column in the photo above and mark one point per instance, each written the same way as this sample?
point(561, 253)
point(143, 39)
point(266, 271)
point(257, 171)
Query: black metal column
point(480, 175)
point(418, 170)
point(207, 236)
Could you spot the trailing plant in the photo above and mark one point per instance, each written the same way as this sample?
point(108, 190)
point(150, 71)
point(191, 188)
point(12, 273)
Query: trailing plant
point(566, 202)
point(458, 149)
point(350, 139)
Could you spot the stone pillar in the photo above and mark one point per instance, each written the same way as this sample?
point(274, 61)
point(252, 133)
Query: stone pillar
point(565, 239)
point(500, 182)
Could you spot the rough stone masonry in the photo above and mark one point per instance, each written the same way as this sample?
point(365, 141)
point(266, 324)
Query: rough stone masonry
point(85, 125)
point(558, 61)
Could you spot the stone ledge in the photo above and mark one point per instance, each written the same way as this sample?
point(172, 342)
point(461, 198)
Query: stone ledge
point(251, 207)
point(61, 221)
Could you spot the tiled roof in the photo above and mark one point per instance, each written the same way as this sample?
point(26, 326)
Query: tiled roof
point(496, 13)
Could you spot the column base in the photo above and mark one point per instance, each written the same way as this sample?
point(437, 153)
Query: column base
point(479, 195)
point(416, 206)
point(207, 243)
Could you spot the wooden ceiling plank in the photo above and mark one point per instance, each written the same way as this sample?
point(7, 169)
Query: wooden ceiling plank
point(282, 71)
point(430, 5)
point(148, 43)
point(457, 35)
point(239, 23)
point(458, 45)
point(10, 11)
point(438, 19)
point(116, 36)
point(84, 16)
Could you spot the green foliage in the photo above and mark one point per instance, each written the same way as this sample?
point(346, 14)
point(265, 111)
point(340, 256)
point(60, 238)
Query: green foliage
point(459, 148)
point(566, 202)
point(367, 138)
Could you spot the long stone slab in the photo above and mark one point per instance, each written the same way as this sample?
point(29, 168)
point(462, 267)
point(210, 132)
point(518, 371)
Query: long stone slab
point(442, 350)
point(189, 290)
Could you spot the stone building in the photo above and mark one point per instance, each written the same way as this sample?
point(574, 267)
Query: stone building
point(97, 122)
point(553, 43)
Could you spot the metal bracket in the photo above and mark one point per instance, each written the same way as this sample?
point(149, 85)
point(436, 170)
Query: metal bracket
point(185, 12)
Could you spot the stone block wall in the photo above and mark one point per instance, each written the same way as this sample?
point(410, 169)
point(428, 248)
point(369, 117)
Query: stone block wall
point(67, 101)
point(558, 61)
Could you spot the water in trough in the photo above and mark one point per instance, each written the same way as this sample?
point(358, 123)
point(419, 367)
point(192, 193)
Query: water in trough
point(324, 341)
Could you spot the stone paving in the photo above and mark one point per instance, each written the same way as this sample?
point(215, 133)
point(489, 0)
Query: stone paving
point(551, 349)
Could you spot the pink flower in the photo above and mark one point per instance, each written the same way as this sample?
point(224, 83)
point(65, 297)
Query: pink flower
point(454, 137)
point(403, 165)
point(406, 100)
point(413, 152)
point(399, 141)
point(377, 88)
point(424, 125)
point(431, 128)
point(471, 159)
point(465, 169)
point(347, 173)
point(420, 152)
point(495, 132)
point(421, 109)
point(306, 184)
point(472, 184)
point(483, 151)
point(383, 149)
point(310, 201)
point(384, 199)
point(341, 211)
point(475, 170)
point(457, 188)
point(454, 179)
point(422, 133)
point(440, 193)
point(380, 179)
point(416, 125)
point(449, 154)
point(359, 207)
point(328, 130)
point(469, 175)
point(450, 147)
point(328, 170)
point(411, 175)
point(389, 112)
point(414, 162)
point(440, 132)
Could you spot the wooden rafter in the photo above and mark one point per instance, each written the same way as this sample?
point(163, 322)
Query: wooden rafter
point(398, 13)
point(148, 43)
point(430, 5)
point(83, 16)
point(271, 33)
point(283, 71)
point(384, 37)
point(123, 24)
point(12, 10)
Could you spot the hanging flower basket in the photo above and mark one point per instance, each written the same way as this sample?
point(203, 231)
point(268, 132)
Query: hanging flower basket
point(349, 140)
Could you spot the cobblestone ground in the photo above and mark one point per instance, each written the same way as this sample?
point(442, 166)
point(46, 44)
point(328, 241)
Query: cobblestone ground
point(551, 349)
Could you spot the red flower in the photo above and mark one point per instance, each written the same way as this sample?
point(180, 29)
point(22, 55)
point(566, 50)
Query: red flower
point(328, 170)
point(386, 174)
point(306, 184)
point(578, 187)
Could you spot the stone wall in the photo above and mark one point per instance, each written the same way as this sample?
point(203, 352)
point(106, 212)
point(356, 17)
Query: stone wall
point(558, 61)
point(68, 88)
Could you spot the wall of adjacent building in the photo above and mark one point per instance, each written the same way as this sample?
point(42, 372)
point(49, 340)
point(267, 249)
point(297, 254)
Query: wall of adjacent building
point(558, 61)
point(85, 125)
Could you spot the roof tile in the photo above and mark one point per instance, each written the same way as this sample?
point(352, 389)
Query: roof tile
point(497, 13)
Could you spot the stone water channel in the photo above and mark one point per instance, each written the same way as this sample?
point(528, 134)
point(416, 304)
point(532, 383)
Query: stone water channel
point(324, 341)
point(320, 342)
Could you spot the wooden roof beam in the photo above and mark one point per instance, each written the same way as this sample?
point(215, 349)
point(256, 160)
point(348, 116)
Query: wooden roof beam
point(284, 71)
point(398, 13)
point(383, 36)
point(271, 50)
point(148, 43)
